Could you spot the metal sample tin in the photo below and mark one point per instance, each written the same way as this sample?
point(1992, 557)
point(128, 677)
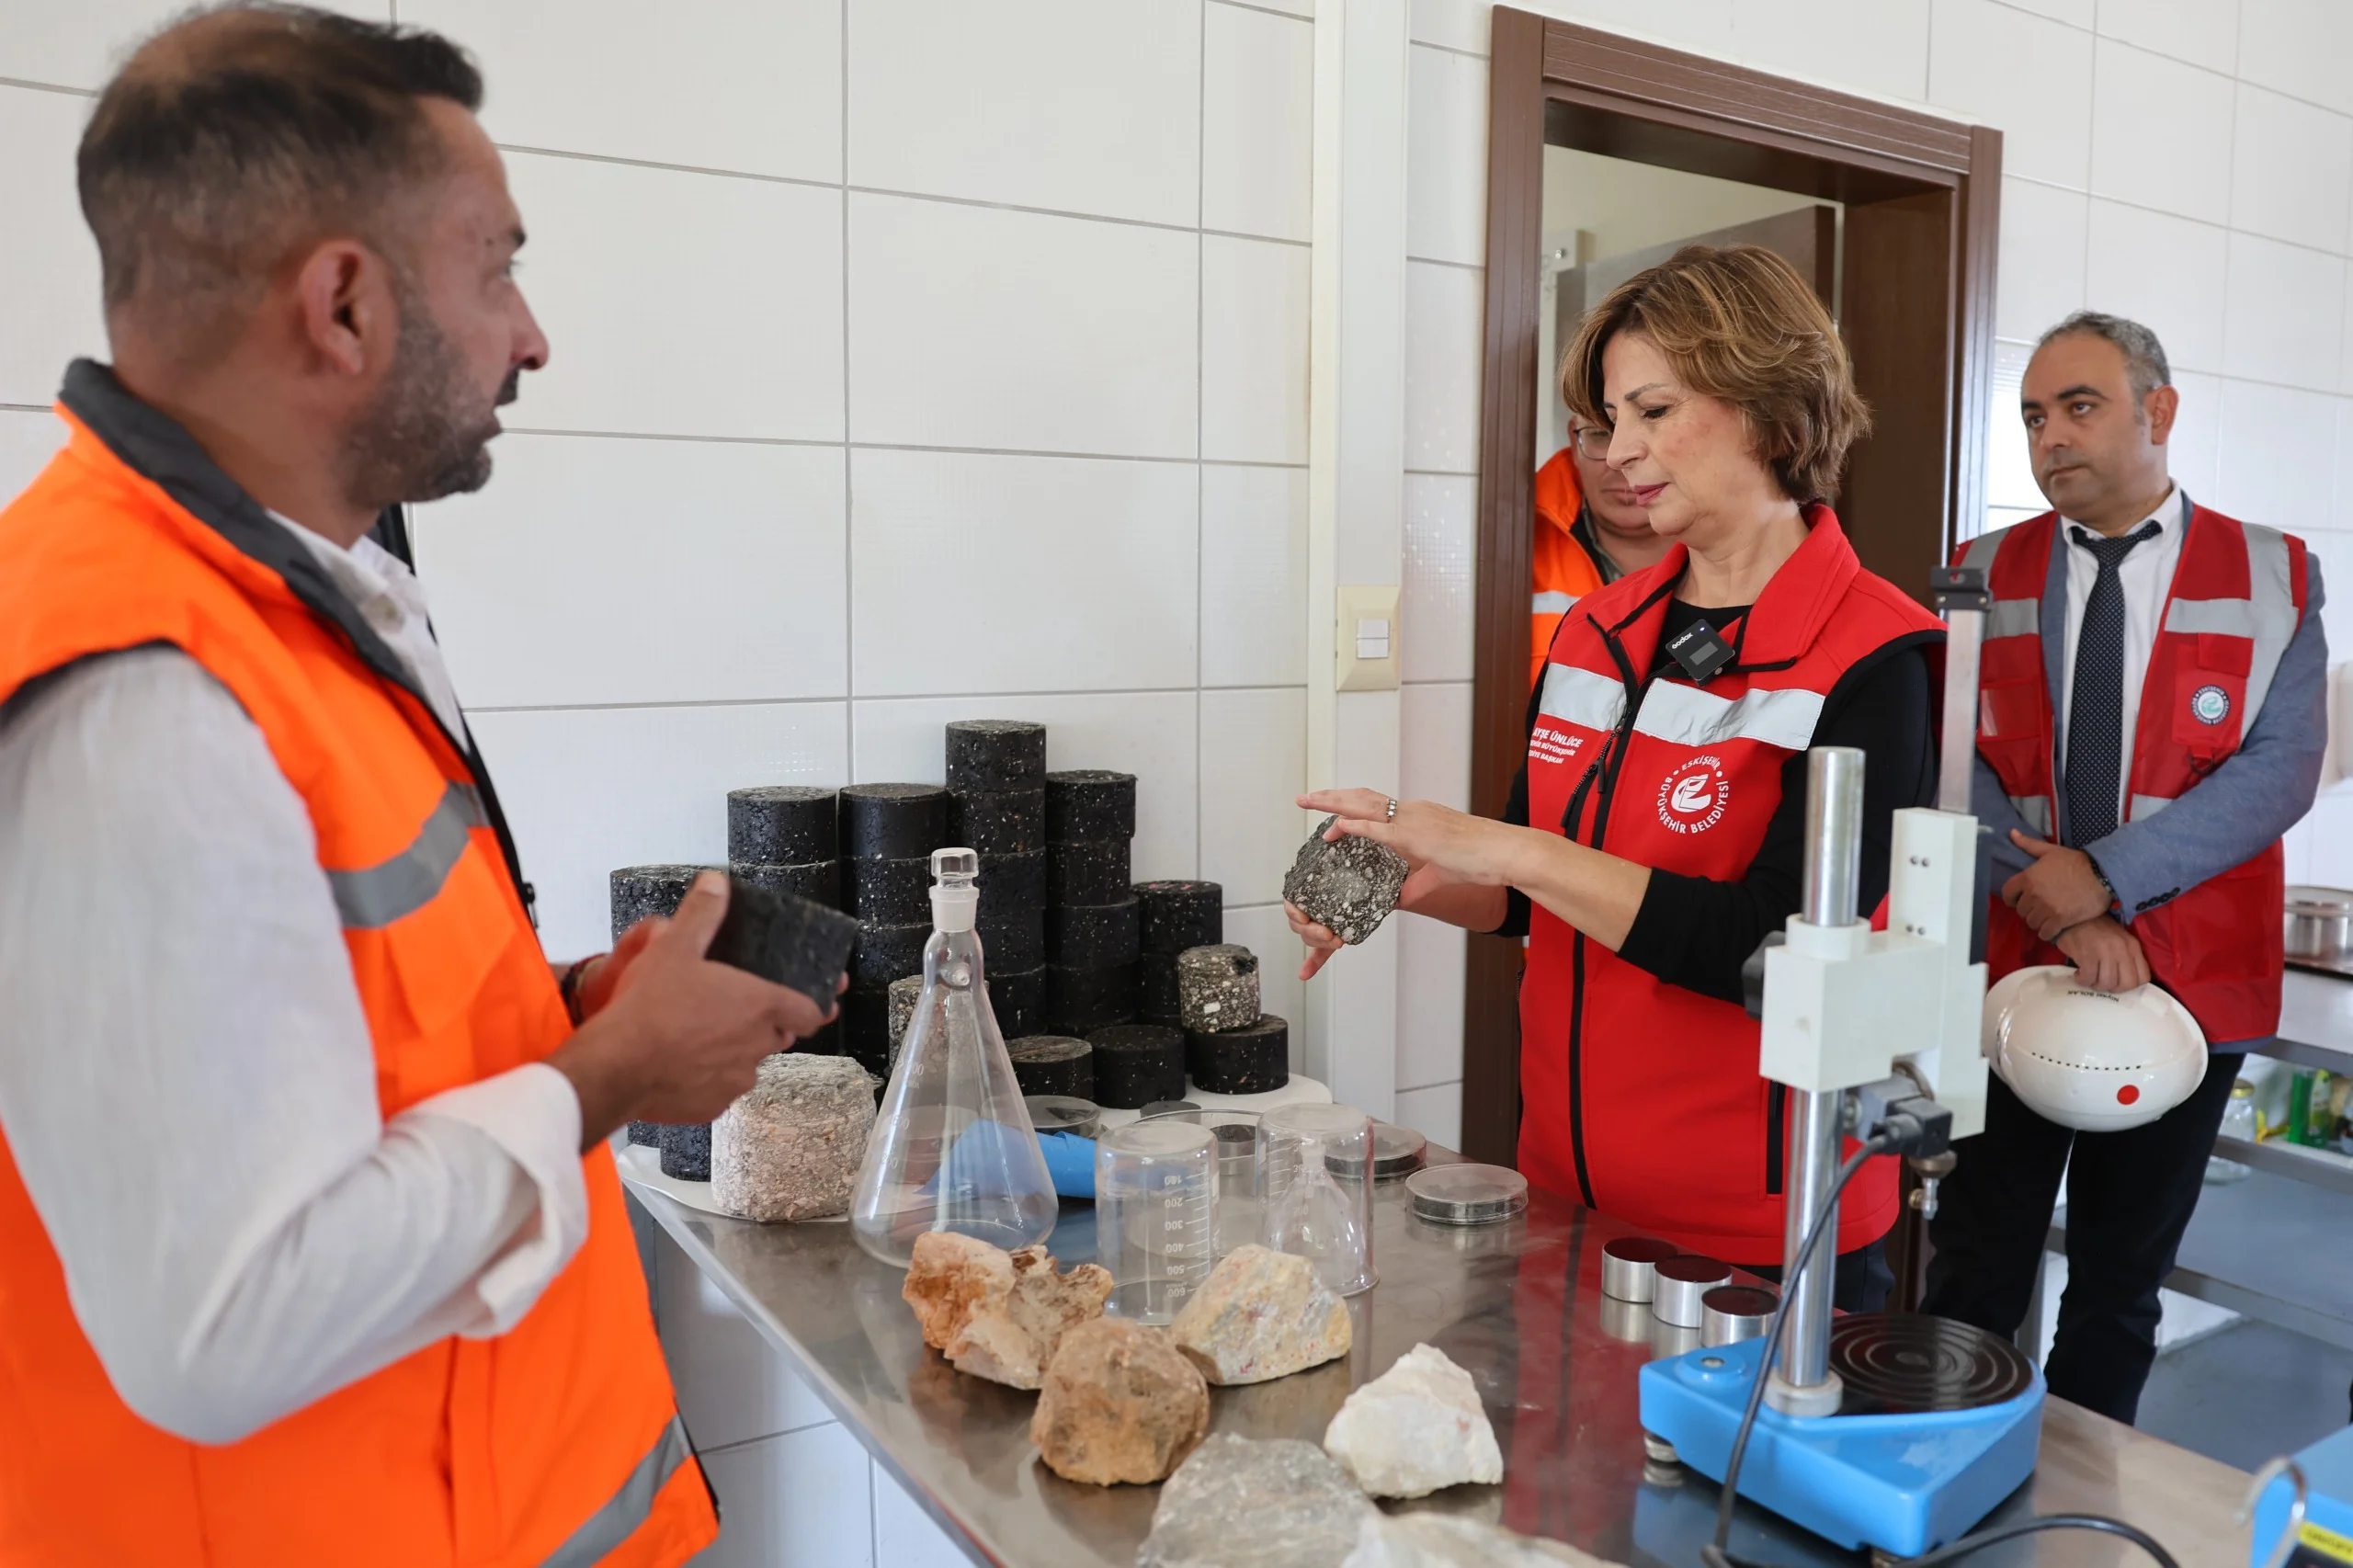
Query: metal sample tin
point(1730, 1313)
point(1626, 1263)
point(1064, 1113)
point(1682, 1281)
point(1466, 1194)
point(1396, 1152)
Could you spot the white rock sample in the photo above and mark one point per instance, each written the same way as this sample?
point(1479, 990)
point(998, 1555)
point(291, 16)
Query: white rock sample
point(1442, 1541)
point(1239, 1502)
point(1417, 1428)
point(1261, 1314)
point(790, 1148)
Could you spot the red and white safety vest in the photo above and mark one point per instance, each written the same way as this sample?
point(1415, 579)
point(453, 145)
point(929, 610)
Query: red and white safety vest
point(2238, 598)
point(1643, 1099)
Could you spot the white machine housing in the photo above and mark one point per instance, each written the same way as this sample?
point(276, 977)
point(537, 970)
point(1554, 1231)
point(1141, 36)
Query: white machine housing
point(2095, 1061)
point(1846, 1005)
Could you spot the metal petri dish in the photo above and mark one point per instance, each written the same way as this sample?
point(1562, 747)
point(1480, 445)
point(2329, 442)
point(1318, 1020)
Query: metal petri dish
point(1467, 1195)
point(1064, 1113)
point(1166, 1108)
point(1396, 1151)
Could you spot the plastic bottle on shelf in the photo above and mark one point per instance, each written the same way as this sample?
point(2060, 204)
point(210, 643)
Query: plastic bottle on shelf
point(953, 1147)
point(2239, 1122)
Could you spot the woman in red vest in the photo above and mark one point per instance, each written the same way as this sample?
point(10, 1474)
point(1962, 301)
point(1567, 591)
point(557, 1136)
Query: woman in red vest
point(1656, 833)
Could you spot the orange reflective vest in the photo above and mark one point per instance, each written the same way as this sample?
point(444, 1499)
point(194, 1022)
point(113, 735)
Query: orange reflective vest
point(554, 1445)
point(1563, 571)
point(1643, 1099)
point(2237, 598)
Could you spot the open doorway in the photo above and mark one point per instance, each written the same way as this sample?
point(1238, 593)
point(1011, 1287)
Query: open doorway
point(1605, 154)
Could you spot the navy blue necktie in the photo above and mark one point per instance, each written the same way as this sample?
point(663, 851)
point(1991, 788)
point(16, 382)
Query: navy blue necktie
point(2096, 703)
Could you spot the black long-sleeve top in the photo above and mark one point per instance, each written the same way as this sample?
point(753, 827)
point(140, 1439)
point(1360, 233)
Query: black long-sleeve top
point(1697, 931)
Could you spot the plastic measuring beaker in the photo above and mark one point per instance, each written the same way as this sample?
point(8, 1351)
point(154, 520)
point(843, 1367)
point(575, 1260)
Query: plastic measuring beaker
point(1315, 1189)
point(1155, 1196)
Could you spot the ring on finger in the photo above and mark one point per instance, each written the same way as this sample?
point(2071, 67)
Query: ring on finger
point(1393, 808)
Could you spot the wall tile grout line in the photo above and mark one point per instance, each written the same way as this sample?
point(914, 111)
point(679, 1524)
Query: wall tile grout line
point(2227, 228)
point(2232, 74)
point(58, 87)
point(849, 498)
point(871, 697)
point(1441, 261)
point(857, 445)
point(1449, 49)
point(1265, 11)
point(1200, 406)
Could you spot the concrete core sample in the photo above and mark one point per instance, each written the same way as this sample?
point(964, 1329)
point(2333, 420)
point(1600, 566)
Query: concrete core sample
point(1217, 986)
point(790, 1149)
point(1349, 886)
point(796, 942)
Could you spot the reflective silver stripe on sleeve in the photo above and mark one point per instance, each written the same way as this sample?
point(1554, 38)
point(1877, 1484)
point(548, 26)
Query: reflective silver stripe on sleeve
point(2228, 618)
point(626, 1509)
point(1981, 550)
point(2147, 806)
point(1552, 604)
point(1581, 697)
point(2036, 810)
point(2014, 618)
point(376, 897)
point(2274, 599)
point(1689, 716)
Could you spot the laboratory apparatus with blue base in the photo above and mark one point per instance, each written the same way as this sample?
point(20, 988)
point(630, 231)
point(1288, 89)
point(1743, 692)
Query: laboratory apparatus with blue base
point(1891, 1432)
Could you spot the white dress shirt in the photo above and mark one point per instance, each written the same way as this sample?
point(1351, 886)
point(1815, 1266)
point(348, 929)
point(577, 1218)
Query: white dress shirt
point(186, 1080)
point(2145, 575)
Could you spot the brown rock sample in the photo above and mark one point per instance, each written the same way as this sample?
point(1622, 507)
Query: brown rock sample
point(1261, 1314)
point(1119, 1404)
point(996, 1314)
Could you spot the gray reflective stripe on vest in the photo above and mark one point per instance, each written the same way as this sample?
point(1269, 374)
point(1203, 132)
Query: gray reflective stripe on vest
point(2014, 618)
point(2228, 618)
point(1689, 716)
point(2147, 806)
point(2036, 810)
point(1981, 550)
point(2274, 597)
point(626, 1509)
point(1581, 697)
point(1552, 604)
point(409, 881)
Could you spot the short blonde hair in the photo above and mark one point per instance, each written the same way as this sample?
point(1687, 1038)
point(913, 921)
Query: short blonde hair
point(1737, 324)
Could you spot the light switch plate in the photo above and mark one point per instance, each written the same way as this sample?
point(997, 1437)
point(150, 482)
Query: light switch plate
point(1366, 639)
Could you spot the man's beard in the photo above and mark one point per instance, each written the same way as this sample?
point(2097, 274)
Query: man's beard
point(428, 432)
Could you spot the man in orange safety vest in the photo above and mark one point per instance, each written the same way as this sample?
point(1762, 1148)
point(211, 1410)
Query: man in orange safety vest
point(1588, 533)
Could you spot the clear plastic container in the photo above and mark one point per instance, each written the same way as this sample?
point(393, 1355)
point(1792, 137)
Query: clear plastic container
point(1315, 1190)
point(1155, 1198)
point(2238, 1121)
point(1237, 1134)
point(953, 1147)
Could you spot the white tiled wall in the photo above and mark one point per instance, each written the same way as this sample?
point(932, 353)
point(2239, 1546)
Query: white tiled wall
point(2185, 161)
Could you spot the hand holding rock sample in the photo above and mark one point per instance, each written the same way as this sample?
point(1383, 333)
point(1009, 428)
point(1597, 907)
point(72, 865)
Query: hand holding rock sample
point(996, 1314)
point(1120, 1405)
point(1417, 1428)
point(1261, 1314)
point(1349, 886)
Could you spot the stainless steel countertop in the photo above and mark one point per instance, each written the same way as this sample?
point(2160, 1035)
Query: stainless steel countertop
point(1517, 1304)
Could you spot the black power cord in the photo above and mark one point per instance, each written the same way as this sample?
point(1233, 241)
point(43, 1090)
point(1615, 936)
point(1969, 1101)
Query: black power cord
point(1893, 1137)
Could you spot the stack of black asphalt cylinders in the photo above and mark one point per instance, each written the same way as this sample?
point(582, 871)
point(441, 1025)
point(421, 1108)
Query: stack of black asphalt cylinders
point(785, 839)
point(996, 808)
point(887, 834)
point(1093, 927)
point(1141, 1063)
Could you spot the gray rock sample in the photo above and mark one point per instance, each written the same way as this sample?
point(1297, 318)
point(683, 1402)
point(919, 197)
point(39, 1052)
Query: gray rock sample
point(1080, 1001)
point(818, 880)
point(1090, 806)
point(1011, 883)
point(1052, 1064)
point(1019, 1000)
point(889, 892)
point(795, 942)
point(1349, 885)
point(1254, 1061)
point(1179, 914)
point(886, 952)
point(1013, 938)
point(1449, 1540)
point(686, 1151)
point(998, 821)
point(1217, 987)
point(893, 822)
point(1158, 999)
point(1240, 1503)
point(1091, 936)
point(789, 1149)
point(995, 753)
point(1087, 873)
point(782, 824)
point(1136, 1064)
point(640, 893)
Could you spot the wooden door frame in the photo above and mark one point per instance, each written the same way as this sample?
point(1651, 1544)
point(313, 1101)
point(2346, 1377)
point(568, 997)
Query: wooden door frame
point(1574, 86)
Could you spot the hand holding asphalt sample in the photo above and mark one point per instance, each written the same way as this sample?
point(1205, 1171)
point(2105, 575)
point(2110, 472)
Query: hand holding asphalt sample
point(1348, 885)
point(793, 941)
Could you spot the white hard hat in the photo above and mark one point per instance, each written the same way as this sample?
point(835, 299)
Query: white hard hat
point(2095, 1061)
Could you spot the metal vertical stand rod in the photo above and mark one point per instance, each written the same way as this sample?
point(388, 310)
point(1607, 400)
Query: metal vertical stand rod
point(1962, 601)
point(1803, 1384)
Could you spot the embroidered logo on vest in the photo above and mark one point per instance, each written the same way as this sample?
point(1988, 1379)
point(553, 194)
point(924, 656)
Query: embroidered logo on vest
point(1691, 798)
point(2210, 705)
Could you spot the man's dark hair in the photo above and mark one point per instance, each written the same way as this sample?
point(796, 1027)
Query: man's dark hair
point(2145, 357)
point(239, 130)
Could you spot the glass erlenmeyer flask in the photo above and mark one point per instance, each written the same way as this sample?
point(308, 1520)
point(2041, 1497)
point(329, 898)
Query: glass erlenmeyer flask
point(952, 1148)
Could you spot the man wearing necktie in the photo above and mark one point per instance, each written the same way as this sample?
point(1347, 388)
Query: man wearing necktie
point(2152, 719)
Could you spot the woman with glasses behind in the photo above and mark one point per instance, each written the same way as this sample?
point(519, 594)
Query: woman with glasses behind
point(1656, 831)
